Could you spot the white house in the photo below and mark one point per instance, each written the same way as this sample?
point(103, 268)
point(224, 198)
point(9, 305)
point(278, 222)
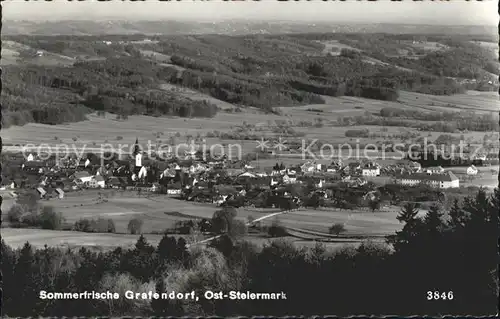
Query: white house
point(289, 179)
point(60, 193)
point(174, 189)
point(143, 172)
point(370, 171)
point(97, 182)
point(445, 180)
point(247, 174)
point(273, 182)
point(138, 160)
point(434, 170)
point(41, 192)
point(309, 167)
point(320, 183)
point(472, 170)
point(331, 169)
point(82, 177)
point(30, 158)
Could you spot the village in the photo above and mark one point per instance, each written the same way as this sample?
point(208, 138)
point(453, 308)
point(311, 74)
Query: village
point(204, 178)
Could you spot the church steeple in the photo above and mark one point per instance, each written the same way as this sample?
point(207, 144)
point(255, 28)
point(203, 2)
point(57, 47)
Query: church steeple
point(137, 154)
point(136, 147)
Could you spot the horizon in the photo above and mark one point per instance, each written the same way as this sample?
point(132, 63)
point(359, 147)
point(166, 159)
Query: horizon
point(381, 12)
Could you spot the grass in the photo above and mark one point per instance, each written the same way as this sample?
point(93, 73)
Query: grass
point(101, 130)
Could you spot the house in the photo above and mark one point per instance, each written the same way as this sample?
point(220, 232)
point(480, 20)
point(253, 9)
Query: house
point(117, 182)
point(174, 189)
point(309, 167)
point(219, 199)
point(434, 170)
point(331, 169)
point(370, 169)
point(273, 182)
point(81, 177)
point(143, 172)
point(155, 187)
point(60, 193)
point(472, 170)
point(96, 182)
point(247, 174)
point(41, 192)
point(445, 180)
point(289, 178)
point(30, 158)
point(320, 183)
point(34, 166)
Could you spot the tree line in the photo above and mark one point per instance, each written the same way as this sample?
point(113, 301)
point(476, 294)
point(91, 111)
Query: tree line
point(444, 251)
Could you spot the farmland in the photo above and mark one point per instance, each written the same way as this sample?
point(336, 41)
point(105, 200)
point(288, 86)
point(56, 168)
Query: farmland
point(161, 213)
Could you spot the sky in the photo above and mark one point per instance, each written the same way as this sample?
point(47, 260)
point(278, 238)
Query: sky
point(454, 12)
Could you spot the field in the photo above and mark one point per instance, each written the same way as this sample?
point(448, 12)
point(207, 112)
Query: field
point(103, 130)
point(160, 213)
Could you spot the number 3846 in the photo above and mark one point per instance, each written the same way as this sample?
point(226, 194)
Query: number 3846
point(438, 295)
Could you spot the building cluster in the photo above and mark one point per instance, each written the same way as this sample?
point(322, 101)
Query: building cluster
point(201, 177)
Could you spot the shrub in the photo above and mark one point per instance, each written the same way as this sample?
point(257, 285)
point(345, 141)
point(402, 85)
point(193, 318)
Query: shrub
point(14, 214)
point(357, 133)
point(276, 230)
point(100, 225)
point(49, 219)
point(135, 226)
point(336, 229)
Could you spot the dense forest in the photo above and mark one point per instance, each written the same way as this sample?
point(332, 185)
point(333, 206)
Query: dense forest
point(451, 254)
point(123, 75)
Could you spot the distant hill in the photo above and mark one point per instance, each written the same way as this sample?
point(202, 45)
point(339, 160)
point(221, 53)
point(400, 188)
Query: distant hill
point(83, 27)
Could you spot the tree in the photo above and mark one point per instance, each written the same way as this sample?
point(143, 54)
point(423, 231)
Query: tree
point(49, 219)
point(135, 226)
point(14, 214)
point(374, 204)
point(166, 249)
point(164, 307)
point(222, 219)
point(457, 216)
point(433, 222)
point(412, 227)
point(337, 229)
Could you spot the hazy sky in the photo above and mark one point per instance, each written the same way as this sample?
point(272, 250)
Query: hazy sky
point(382, 11)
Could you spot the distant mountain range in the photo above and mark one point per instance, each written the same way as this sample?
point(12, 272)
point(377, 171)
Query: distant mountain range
point(84, 27)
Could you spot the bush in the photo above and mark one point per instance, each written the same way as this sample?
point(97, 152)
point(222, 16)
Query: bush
point(336, 229)
point(277, 230)
point(49, 219)
point(357, 133)
point(99, 225)
point(135, 226)
point(14, 214)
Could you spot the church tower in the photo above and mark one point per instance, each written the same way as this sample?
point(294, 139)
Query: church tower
point(137, 154)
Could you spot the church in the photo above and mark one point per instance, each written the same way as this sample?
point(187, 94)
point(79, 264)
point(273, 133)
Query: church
point(138, 171)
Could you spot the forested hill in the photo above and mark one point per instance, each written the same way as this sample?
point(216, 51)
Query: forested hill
point(230, 27)
point(60, 79)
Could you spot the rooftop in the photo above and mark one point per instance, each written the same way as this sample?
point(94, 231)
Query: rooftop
point(446, 177)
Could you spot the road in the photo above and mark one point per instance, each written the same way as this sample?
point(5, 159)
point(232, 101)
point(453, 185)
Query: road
point(247, 224)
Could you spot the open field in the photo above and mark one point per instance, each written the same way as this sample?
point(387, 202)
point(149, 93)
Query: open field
point(38, 238)
point(195, 95)
point(333, 47)
point(158, 213)
point(16, 238)
point(161, 212)
point(103, 130)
